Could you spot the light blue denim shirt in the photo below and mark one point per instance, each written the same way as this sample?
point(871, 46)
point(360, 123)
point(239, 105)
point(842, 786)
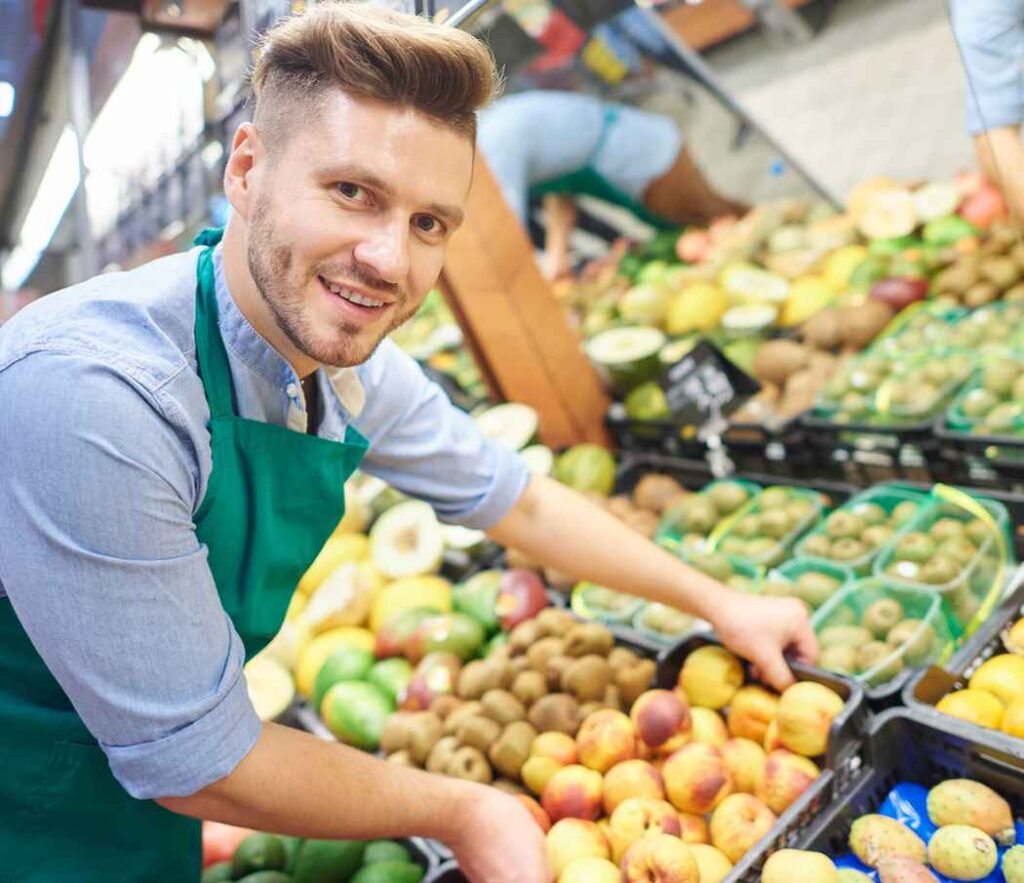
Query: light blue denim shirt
point(106, 456)
point(990, 37)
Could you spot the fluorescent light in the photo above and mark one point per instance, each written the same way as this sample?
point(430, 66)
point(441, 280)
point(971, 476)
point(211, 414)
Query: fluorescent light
point(56, 190)
point(6, 99)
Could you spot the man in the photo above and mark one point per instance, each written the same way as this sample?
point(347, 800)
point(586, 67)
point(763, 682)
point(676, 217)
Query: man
point(175, 443)
point(990, 39)
point(565, 144)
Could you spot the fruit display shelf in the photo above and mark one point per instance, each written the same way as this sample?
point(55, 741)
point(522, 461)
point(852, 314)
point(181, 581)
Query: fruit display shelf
point(928, 688)
point(903, 748)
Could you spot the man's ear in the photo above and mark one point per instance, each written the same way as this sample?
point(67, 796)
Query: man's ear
point(240, 173)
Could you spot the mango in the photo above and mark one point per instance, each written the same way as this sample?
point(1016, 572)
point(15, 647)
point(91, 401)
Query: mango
point(874, 836)
point(976, 706)
point(710, 677)
point(848, 875)
point(1013, 719)
point(1002, 676)
point(805, 715)
point(962, 852)
point(790, 865)
point(963, 802)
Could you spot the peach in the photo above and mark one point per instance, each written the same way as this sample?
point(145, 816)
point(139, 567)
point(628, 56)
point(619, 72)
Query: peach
point(806, 712)
point(711, 676)
point(693, 828)
point(557, 746)
point(697, 779)
point(573, 792)
point(662, 719)
point(751, 710)
point(632, 778)
point(537, 772)
point(606, 738)
point(771, 738)
point(714, 867)
point(591, 870)
point(660, 858)
point(738, 823)
point(637, 817)
point(788, 865)
point(573, 839)
point(536, 810)
point(786, 777)
point(708, 727)
point(745, 760)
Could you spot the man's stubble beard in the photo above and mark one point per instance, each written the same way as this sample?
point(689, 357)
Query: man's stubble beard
point(270, 266)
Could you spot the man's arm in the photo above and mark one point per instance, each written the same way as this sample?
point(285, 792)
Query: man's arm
point(564, 530)
point(1001, 157)
point(294, 783)
point(559, 222)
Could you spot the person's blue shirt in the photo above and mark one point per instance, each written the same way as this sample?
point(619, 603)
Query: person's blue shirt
point(106, 457)
point(990, 38)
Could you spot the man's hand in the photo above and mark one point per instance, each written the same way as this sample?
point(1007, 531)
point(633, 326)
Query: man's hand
point(762, 629)
point(499, 841)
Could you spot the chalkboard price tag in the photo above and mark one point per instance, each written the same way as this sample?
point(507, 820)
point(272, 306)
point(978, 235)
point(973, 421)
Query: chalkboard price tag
point(705, 384)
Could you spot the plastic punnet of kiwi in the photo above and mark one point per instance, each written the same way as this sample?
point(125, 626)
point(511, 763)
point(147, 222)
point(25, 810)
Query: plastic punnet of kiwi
point(763, 532)
point(992, 403)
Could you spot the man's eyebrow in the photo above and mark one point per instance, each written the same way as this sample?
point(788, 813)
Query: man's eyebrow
point(452, 215)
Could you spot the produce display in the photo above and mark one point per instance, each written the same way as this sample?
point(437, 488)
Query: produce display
point(237, 854)
point(994, 697)
point(992, 403)
point(766, 528)
point(812, 581)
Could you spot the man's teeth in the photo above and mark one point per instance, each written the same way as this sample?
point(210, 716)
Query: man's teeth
point(353, 297)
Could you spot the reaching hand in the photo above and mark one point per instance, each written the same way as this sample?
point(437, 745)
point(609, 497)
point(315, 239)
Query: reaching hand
point(500, 842)
point(762, 629)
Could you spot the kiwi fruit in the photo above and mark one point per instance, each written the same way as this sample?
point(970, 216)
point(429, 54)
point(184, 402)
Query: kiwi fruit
point(502, 707)
point(916, 638)
point(477, 677)
point(396, 733)
point(748, 527)
point(401, 758)
point(622, 657)
point(773, 498)
point(587, 638)
point(939, 571)
point(876, 536)
point(778, 588)
point(841, 658)
point(524, 636)
point(477, 731)
point(946, 529)
point(978, 531)
point(634, 681)
point(556, 712)
point(512, 748)
point(903, 513)
point(556, 669)
point(871, 514)
point(587, 678)
point(653, 492)
point(838, 635)
point(554, 622)
point(442, 706)
point(815, 588)
point(613, 698)
point(817, 546)
point(916, 547)
point(848, 549)
point(715, 566)
point(441, 754)
point(775, 523)
point(546, 648)
point(881, 616)
point(529, 686)
point(469, 763)
point(727, 496)
point(426, 730)
point(871, 654)
point(463, 712)
point(844, 525)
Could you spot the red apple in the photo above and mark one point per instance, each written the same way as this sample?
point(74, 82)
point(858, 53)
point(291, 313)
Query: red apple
point(521, 596)
point(220, 841)
point(984, 206)
point(434, 676)
point(899, 291)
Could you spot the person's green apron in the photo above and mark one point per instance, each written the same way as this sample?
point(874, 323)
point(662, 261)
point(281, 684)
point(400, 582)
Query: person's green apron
point(587, 181)
point(273, 499)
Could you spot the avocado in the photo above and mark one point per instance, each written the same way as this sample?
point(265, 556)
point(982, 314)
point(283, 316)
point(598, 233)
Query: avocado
point(218, 873)
point(258, 852)
point(328, 861)
point(385, 851)
point(390, 872)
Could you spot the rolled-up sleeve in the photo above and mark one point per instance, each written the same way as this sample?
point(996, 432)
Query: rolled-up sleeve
point(426, 447)
point(106, 574)
point(990, 36)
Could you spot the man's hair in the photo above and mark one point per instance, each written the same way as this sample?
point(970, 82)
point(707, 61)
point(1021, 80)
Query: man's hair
point(373, 54)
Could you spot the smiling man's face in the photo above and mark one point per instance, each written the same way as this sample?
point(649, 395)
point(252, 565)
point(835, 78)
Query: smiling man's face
point(350, 220)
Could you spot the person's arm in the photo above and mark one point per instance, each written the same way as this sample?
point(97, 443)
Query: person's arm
point(106, 574)
point(1001, 157)
point(559, 222)
point(564, 530)
point(293, 783)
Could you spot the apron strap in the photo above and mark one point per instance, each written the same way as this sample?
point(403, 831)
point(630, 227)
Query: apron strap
point(211, 356)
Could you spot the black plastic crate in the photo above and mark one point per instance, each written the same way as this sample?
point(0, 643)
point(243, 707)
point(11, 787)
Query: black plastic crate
point(921, 694)
point(995, 459)
point(867, 453)
point(902, 747)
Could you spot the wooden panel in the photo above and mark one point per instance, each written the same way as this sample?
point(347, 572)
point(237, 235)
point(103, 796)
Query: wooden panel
point(713, 21)
point(514, 325)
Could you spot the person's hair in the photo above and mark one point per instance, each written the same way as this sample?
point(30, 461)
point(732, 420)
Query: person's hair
point(373, 54)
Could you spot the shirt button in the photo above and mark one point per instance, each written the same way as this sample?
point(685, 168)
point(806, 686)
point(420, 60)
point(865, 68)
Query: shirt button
point(292, 390)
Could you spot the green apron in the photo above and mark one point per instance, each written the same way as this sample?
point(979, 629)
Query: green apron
point(273, 499)
point(589, 182)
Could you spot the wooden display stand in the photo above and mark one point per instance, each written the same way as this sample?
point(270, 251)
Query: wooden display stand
point(513, 323)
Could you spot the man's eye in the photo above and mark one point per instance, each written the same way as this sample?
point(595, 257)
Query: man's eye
point(428, 224)
point(350, 190)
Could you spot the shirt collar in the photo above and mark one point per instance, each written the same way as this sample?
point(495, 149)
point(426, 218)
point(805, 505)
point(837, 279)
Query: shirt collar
point(249, 347)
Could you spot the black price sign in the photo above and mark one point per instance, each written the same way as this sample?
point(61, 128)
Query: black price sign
point(704, 383)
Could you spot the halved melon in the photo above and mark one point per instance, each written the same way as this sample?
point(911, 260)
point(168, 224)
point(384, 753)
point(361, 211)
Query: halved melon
point(626, 356)
point(512, 424)
point(539, 459)
point(271, 688)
